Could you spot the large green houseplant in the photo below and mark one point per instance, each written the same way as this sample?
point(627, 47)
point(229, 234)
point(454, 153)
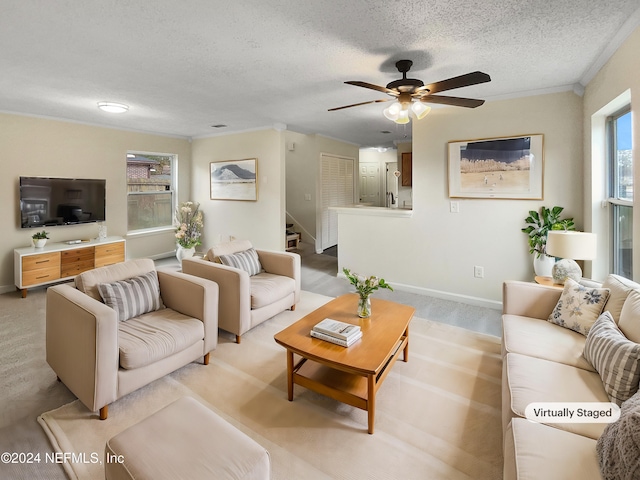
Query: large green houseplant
point(539, 224)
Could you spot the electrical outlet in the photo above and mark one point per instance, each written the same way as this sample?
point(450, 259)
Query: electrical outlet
point(478, 272)
point(454, 207)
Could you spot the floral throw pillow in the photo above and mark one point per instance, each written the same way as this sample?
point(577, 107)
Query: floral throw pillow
point(579, 306)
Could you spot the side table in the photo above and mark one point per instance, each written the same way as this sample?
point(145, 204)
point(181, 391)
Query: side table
point(548, 281)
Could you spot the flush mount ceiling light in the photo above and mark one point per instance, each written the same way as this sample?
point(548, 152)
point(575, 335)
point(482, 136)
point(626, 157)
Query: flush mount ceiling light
point(113, 107)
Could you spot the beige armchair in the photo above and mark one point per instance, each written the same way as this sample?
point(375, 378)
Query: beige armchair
point(248, 300)
point(101, 358)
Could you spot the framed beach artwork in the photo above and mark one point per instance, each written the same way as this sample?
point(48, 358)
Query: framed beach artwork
point(234, 180)
point(506, 167)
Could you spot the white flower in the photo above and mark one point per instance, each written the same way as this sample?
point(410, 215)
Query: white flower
point(189, 224)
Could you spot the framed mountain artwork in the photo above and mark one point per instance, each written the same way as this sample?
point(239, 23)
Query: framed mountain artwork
point(234, 180)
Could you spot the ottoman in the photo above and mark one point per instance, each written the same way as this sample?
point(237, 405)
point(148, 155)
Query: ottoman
point(185, 440)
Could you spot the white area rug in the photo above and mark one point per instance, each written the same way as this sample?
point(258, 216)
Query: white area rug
point(437, 416)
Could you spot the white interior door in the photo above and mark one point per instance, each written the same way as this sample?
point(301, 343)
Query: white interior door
point(370, 183)
point(337, 175)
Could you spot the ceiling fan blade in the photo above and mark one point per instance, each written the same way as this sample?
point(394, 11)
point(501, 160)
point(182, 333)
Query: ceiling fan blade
point(361, 103)
point(465, 80)
point(371, 86)
point(455, 101)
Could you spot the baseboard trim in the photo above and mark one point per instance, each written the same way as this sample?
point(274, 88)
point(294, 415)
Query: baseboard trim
point(454, 297)
point(160, 256)
point(7, 289)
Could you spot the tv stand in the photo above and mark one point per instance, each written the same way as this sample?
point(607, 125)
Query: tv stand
point(57, 262)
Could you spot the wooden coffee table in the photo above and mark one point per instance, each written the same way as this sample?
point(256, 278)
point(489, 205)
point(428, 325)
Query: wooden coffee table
point(351, 375)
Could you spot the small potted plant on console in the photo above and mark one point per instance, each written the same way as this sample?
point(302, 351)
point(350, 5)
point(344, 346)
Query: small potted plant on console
point(40, 239)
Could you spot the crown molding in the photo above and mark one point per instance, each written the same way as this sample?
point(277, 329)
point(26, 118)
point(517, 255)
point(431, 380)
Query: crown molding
point(618, 39)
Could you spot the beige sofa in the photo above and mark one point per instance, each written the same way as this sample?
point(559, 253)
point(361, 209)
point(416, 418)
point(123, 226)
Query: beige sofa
point(544, 362)
point(249, 298)
point(100, 357)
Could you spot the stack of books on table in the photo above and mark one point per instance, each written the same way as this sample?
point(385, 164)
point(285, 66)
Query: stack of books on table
point(333, 331)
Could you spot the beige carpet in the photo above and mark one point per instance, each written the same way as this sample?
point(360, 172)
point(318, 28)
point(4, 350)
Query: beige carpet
point(437, 416)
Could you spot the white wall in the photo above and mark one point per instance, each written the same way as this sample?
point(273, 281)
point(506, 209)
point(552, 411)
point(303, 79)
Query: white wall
point(435, 251)
point(302, 177)
point(34, 146)
point(617, 83)
point(263, 221)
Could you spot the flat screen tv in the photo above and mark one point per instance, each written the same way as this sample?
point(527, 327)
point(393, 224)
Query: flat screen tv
point(47, 202)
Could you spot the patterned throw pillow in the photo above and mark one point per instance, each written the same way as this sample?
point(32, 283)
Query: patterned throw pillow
point(614, 357)
point(247, 261)
point(579, 306)
point(618, 447)
point(134, 296)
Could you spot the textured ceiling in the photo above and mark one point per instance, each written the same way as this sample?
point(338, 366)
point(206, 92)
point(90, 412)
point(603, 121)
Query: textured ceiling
point(184, 66)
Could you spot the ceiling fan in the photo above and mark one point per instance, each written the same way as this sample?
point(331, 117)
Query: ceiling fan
point(412, 94)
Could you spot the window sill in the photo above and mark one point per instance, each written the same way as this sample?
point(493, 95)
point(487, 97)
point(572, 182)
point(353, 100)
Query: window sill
point(149, 232)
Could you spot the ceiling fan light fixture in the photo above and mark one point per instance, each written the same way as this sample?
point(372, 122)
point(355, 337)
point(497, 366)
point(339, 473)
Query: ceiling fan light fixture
point(411, 94)
point(392, 111)
point(113, 107)
point(420, 110)
point(403, 117)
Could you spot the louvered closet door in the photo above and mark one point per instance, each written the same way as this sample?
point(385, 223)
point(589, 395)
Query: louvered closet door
point(337, 190)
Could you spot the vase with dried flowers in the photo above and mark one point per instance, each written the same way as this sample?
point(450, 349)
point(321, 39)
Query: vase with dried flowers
point(189, 229)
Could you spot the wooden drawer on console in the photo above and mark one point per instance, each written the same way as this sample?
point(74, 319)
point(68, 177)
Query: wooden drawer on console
point(76, 261)
point(109, 254)
point(34, 277)
point(40, 268)
point(77, 255)
point(43, 260)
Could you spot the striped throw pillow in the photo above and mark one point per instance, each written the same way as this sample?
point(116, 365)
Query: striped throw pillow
point(134, 296)
point(614, 357)
point(247, 260)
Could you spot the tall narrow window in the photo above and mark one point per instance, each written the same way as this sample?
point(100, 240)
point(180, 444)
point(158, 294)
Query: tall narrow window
point(150, 190)
point(621, 192)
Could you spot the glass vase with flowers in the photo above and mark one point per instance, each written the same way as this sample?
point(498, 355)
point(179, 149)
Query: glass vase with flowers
point(365, 286)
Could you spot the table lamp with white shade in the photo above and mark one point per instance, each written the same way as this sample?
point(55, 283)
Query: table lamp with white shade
point(570, 246)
